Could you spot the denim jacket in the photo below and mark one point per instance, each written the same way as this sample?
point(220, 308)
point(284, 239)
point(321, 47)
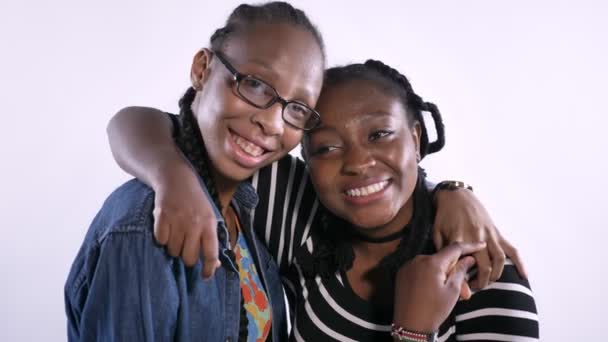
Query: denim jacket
point(124, 287)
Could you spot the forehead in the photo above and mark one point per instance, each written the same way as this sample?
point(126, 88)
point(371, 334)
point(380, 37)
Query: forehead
point(356, 101)
point(287, 52)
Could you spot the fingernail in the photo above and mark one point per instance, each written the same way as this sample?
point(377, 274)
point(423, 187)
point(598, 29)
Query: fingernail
point(209, 269)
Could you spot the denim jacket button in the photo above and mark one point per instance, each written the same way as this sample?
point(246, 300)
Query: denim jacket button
point(228, 339)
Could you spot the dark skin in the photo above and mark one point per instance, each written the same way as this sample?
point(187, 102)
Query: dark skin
point(274, 53)
point(363, 162)
point(370, 147)
point(140, 140)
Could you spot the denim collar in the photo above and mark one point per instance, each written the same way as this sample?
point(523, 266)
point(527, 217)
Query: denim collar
point(246, 196)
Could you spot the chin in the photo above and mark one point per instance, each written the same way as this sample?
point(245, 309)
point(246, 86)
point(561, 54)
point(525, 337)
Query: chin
point(368, 221)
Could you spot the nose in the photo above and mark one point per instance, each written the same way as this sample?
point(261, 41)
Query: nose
point(270, 120)
point(357, 161)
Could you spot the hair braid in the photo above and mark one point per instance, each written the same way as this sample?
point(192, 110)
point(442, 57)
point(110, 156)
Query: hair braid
point(416, 105)
point(192, 144)
point(271, 12)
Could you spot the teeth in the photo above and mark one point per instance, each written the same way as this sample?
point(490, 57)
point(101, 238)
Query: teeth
point(249, 147)
point(367, 190)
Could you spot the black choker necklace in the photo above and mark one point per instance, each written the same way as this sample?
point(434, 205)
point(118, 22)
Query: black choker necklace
point(391, 237)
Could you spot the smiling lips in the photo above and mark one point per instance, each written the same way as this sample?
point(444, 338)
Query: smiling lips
point(247, 146)
point(367, 190)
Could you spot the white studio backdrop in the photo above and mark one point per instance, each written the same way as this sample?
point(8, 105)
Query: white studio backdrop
point(521, 85)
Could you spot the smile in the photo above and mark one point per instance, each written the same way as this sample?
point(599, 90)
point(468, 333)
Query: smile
point(367, 190)
point(247, 146)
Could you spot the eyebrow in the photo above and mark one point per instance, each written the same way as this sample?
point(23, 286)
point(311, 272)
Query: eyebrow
point(364, 117)
point(375, 114)
point(264, 66)
point(303, 93)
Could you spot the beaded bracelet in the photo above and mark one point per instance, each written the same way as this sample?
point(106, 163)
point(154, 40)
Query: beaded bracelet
point(403, 335)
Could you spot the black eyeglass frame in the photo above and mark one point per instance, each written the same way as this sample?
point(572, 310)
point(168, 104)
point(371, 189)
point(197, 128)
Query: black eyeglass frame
point(311, 123)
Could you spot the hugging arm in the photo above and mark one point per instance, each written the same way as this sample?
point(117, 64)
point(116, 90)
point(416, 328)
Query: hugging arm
point(142, 145)
point(428, 287)
point(462, 217)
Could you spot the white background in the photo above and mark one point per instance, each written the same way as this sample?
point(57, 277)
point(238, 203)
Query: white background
point(521, 84)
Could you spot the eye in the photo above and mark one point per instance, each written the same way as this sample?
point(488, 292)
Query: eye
point(255, 89)
point(298, 111)
point(376, 135)
point(322, 150)
point(251, 82)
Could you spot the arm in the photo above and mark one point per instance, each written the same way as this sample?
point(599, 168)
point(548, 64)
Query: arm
point(141, 142)
point(426, 294)
point(428, 286)
point(505, 309)
point(140, 139)
point(122, 292)
point(462, 217)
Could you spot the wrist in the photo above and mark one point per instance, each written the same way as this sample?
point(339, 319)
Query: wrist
point(167, 173)
point(401, 334)
point(449, 185)
point(416, 324)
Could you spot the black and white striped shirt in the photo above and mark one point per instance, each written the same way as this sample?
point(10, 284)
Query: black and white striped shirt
point(328, 309)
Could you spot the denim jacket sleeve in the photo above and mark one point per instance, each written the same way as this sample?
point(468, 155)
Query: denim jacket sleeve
point(122, 289)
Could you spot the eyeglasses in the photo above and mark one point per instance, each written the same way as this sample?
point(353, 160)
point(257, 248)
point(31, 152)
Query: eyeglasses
point(262, 95)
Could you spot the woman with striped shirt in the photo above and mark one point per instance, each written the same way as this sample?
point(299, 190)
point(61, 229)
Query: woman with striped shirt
point(364, 258)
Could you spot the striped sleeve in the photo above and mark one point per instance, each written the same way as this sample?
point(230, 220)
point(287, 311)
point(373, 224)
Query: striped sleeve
point(502, 311)
point(286, 208)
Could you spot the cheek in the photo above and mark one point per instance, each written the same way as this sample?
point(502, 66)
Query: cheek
point(315, 169)
point(291, 138)
point(408, 170)
point(402, 159)
point(323, 175)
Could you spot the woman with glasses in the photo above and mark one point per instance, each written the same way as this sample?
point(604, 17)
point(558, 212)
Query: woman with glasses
point(122, 285)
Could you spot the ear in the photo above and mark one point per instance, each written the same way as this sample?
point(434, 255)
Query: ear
point(416, 132)
point(199, 72)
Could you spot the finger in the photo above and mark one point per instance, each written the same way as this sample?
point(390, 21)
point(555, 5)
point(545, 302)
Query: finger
point(176, 241)
point(449, 255)
point(513, 254)
point(437, 239)
point(459, 273)
point(484, 268)
point(161, 227)
point(497, 255)
point(190, 252)
point(465, 290)
point(209, 248)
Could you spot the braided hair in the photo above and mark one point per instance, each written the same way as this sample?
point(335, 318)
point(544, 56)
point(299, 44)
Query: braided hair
point(334, 252)
point(271, 12)
point(188, 135)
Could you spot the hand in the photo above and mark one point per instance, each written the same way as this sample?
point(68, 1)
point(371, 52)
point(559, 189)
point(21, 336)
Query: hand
point(427, 288)
point(462, 218)
point(184, 219)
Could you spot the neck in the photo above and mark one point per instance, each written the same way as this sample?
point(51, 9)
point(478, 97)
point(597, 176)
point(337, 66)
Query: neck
point(378, 242)
point(226, 188)
point(374, 252)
